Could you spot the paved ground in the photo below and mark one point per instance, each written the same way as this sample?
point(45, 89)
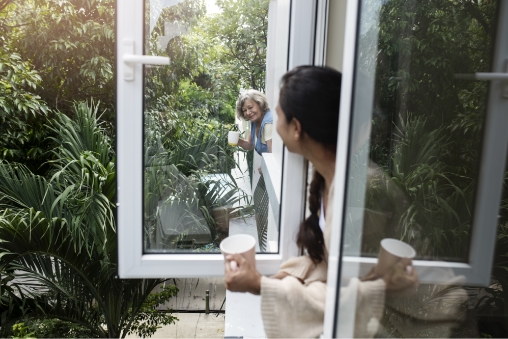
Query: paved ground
point(192, 293)
point(193, 325)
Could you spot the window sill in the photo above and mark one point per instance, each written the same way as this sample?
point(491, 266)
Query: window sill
point(243, 316)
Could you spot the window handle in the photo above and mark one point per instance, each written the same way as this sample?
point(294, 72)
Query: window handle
point(497, 76)
point(488, 77)
point(145, 59)
point(130, 59)
point(502, 76)
point(482, 76)
point(491, 76)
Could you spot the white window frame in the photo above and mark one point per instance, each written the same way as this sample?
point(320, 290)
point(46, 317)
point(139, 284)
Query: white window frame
point(294, 27)
point(477, 271)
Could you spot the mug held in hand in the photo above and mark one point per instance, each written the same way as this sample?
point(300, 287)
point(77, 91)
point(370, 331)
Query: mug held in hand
point(233, 138)
point(242, 244)
point(392, 250)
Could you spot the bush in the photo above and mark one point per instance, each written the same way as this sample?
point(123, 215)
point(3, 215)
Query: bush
point(49, 328)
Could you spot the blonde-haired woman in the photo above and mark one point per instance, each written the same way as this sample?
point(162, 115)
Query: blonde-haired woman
point(252, 106)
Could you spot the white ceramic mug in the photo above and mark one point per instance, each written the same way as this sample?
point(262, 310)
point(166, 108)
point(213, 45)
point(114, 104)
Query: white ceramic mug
point(233, 138)
point(392, 250)
point(242, 244)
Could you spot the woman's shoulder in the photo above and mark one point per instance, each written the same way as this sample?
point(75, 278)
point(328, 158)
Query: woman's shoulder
point(297, 266)
point(268, 118)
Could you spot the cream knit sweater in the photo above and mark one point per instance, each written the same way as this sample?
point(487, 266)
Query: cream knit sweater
point(291, 309)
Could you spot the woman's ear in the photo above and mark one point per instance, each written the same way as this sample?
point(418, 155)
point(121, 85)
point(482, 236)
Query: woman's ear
point(296, 129)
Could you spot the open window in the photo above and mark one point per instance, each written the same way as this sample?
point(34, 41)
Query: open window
point(422, 146)
point(181, 188)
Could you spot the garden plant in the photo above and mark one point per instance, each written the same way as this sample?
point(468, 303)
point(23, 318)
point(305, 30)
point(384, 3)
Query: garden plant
point(57, 156)
point(57, 150)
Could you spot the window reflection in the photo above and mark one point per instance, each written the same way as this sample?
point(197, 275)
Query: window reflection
point(456, 311)
point(418, 127)
point(488, 305)
point(414, 161)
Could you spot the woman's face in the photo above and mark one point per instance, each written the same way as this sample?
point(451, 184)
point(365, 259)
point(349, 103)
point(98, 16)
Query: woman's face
point(252, 111)
point(288, 131)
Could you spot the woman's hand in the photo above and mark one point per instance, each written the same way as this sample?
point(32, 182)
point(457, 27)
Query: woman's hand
point(400, 280)
point(241, 276)
point(280, 275)
point(245, 144)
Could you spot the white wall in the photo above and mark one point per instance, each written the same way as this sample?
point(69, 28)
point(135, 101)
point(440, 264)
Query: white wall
point(276, 62)
point(335, 35)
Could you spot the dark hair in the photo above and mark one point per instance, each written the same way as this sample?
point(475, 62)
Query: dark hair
point(311, 95)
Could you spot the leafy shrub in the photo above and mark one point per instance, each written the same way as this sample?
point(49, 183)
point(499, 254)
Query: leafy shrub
point(58, 233)
point(49, 328)
point(22, 134)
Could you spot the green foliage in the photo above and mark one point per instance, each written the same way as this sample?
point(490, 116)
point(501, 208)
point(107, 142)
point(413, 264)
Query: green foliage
point(71, 45)
point(428, 121)
point(185, 57)
point(59, 235)
point(82, 186)
point(52, 53)
point(427, 136)
point(418, 200)
point(14, 304)
point(49, 328)
point(85, 174)
point(204, 102)
point(189, 106)
point(221, 53)
point(20, 330)
point(190, 178)
point(57, 188)
point(436, 217)
point(21, 110)
point(420, 49)
point(239, 35)
point(149, 319)
point(16, 81)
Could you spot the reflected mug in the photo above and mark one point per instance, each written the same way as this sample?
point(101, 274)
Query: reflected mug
point(242, 244)
point(233, 138)
point(391, 252)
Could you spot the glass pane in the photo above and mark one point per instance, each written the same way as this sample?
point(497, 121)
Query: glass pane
point(487, 305)
point(416, 136)
point(417, 125)
point(456, 311)
point(198, 189)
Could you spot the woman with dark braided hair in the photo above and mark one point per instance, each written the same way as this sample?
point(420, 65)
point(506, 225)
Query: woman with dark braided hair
point(293, 301)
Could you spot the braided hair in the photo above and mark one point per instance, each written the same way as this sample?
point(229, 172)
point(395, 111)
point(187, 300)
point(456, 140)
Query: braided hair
point(311, 95)
point(310, 235)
